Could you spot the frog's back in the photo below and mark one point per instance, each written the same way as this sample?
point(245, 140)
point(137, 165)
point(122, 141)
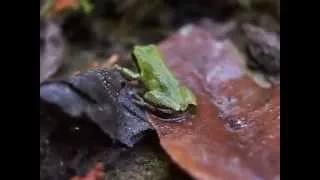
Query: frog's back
point(152, 65)
point(155, 74)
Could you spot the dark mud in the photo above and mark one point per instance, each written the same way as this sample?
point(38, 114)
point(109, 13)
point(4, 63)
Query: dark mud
point(71, 147)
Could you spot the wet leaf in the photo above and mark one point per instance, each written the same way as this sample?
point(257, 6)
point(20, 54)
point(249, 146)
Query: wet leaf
point(102, 96)
point(235, 131)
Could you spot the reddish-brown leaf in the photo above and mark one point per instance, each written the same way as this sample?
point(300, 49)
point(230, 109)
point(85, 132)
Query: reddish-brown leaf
point(236, 129)
point(60, 5)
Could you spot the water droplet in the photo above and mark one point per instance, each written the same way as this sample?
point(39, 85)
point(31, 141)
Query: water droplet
point(185, 31)
point(235, 160)
point(271, 136)
point(250, 154)
point(232, 99)
point(236, 123)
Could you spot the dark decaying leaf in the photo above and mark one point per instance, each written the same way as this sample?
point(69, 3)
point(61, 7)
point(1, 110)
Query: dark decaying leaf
point(73, 147)
point(264, 48)
point(235, 131)
point(103, 96)
point(51, 48)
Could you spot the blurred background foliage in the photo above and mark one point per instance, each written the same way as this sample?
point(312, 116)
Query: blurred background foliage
point(96, 29)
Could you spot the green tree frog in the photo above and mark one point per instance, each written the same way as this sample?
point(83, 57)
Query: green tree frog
point(162, 90)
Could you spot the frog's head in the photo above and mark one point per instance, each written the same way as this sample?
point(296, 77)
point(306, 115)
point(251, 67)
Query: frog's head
point(142, 54)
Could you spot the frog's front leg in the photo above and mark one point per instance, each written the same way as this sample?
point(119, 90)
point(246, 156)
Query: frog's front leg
point(127, 72)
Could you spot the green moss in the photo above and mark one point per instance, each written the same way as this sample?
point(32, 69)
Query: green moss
point(86, 6)
point(146, 161)
point(141, 166)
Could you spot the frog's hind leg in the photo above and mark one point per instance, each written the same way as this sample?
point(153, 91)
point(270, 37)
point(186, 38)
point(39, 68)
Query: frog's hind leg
point(162, 100)
point(164, 114)
point(141, 102)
